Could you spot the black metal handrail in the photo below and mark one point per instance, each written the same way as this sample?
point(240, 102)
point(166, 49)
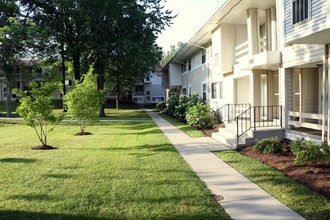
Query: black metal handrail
point(229, 112)
point(263, 116)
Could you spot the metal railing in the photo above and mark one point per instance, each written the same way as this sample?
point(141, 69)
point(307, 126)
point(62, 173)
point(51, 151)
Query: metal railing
point(258, 117)
point(229, 112)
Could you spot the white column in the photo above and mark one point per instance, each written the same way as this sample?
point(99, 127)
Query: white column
point(273, 29)
point(253, 30)
point(268, 25)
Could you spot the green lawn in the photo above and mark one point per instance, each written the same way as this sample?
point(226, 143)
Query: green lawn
point(304, 201)
point(192, 132)
point(126, 170)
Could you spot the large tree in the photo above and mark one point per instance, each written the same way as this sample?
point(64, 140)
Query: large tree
point(20, 38)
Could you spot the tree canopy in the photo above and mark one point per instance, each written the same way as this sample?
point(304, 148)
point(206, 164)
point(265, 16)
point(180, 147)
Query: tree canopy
point(116, 38)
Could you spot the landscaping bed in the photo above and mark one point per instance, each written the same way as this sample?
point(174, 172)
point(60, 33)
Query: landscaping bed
point(316, 178)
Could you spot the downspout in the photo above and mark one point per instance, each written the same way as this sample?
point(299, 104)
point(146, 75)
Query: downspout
point(324, 94)
point(326, 70)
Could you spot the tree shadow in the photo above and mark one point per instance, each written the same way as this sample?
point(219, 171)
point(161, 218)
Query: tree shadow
point(17, 160)
point(17, 214)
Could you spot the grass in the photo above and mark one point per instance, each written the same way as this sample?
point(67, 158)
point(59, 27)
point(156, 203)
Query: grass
point(192, 132)
point(126, 170)
point(299, 198)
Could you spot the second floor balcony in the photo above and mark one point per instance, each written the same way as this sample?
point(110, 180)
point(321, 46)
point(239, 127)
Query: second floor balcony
point(264, 59)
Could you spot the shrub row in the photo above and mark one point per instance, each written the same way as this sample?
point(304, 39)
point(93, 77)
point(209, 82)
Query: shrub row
point(188, 109)
point(305, 152)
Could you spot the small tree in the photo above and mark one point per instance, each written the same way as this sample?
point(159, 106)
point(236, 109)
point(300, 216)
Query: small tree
point(37, 109)
point(84, 101)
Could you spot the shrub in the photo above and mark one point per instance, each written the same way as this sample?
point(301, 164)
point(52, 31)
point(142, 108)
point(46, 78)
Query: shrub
point(172, 102)
point(268, 146)
point(36, 108)
point(181, 108)
point(161, 106)
point(310, 153)
point(200, 116)
point(84, 101)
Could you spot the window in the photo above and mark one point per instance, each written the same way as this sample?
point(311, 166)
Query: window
point(148, 92)
point(189, 90)
point(300, 10)
point(189, 66)
point(184, 91)
point(184, 66)
point(204, 91)
point(214, 90)
point(203, 56)
point(158, 99)
point(221, 90)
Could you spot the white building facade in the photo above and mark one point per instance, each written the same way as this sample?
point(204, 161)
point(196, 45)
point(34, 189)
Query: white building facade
point(262, 59)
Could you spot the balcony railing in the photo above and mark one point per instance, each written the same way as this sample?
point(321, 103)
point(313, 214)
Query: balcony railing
point(138, 94)
point(306, 120)
point(242, 50)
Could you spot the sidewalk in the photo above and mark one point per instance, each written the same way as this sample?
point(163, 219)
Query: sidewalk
point(242, 198)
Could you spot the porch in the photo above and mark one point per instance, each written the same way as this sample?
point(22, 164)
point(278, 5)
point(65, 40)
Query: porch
point(245, 124)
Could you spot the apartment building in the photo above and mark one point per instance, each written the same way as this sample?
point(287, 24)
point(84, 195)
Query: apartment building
point(149, 91)
point(261, 65)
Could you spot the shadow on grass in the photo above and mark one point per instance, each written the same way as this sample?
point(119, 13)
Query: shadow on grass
point(59, 176)
point(17, 160)
point(36, 197)
point(16, 214)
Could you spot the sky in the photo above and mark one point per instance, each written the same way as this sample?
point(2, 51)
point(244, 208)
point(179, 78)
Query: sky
point(191, 16)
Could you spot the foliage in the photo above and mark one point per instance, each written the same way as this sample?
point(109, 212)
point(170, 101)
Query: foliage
point(310, 153)
point(268, 146)
point(37, 109)
point(173, 50)
point(84, 101)
point(161, 106)
point(171, 103)
point(20, 39)
point(200, 116)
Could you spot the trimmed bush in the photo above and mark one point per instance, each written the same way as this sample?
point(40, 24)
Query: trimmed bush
point(161, 106)
point(200, 116)
point(268, 146)
point(310, 153)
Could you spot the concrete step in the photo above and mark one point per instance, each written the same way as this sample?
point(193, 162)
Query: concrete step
point(228, 137)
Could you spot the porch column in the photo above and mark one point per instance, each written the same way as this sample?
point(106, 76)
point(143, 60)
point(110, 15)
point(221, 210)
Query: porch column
point(255, 88)
point(253, 30)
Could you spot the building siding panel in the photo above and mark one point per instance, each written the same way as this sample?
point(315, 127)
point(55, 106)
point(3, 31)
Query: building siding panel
point(316, 23)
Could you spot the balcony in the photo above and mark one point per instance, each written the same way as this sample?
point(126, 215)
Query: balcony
point(263, 60)
point(138, 94)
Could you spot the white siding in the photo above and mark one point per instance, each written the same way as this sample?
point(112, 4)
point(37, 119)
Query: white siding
point(300, 54)
point(317, 21)
point(175, 75)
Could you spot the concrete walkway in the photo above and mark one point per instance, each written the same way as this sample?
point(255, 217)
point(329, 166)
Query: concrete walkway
point(242, 198)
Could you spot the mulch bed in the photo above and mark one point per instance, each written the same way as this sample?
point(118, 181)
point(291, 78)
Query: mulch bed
point(316, 178)
point(44, 147)
point(83, 133)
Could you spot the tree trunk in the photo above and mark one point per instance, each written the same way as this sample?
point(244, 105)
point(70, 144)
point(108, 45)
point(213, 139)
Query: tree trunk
point(118, 93)
point(63, 76)
point(76, 65)
point(8, 101)
point(100, 86)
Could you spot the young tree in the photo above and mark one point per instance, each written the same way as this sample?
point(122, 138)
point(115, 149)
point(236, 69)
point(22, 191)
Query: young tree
point(37, 109)
point(84, 101)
